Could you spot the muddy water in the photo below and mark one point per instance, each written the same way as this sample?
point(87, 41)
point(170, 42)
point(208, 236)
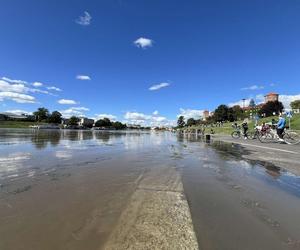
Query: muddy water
point(68, 189)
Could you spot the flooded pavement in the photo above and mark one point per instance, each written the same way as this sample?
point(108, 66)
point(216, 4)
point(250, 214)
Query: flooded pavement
point(140, 190)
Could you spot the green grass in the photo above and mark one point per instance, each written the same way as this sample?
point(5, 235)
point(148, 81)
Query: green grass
point(17, 124)
point(227, 129)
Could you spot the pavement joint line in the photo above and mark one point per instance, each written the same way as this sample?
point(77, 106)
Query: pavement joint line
point(257, 146)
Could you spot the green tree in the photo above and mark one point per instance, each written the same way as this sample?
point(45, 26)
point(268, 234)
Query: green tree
point(180, 122)
point(238, 112)
point(269, 108)
point(41, 114)
point(231, 116)
point(295, 104)
point(191, 122)
point(118, 125)
point(221, 113)
point(105, 122)
point(252, 103)
point(73, 121)
point(55, 117)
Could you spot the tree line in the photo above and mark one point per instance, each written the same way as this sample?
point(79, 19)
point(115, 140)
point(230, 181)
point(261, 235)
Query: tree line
point(43, 115)
point(224, 113)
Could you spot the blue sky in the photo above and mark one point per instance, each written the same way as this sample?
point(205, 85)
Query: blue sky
point(103, 57)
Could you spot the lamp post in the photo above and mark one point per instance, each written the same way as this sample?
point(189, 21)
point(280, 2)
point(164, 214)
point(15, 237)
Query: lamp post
point(243, 102)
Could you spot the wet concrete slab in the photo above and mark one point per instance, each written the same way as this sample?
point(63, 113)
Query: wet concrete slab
point(157, 216)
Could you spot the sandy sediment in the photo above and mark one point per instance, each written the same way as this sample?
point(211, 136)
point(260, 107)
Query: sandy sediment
point(157, 215)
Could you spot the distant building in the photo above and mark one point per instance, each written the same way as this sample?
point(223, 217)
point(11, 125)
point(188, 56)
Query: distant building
point(271, 97)
point(205, 115)
point(253, 109)
point(86, 122)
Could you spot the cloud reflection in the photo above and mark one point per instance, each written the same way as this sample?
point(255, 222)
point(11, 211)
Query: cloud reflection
point(12, 162)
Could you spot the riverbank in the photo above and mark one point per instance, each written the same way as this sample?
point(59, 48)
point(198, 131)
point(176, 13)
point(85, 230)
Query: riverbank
point(19, 124)
point(226, 127)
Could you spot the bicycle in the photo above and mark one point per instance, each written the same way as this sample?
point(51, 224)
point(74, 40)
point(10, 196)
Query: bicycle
point(270, 135)
point(237, 133)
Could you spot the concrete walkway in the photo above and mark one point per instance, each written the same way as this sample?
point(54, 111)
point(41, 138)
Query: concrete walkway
point(157, 215)
point(282, 155)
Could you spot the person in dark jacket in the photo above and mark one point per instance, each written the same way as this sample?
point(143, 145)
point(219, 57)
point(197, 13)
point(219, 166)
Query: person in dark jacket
point(245, 129)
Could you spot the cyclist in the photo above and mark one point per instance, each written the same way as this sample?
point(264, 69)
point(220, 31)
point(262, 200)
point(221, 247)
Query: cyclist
point(280, 127)
point(245, 129)
point(264, 127)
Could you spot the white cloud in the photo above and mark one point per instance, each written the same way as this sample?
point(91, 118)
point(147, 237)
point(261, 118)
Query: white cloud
point(17, 97)
point(85, 19)
point(155, 112)
point(158, 118)
point(147, 120)
point(67, 101)
point(83, 77)
point(136, 116)
point(54, 88)
point(12, 87)
point(143, 42)
point(287, 99)
point(159, 86)
point(191, 113)
point(76, 111)
point(40, 91)
point(18, 112)
point(37, 84)
point(253, 87)
point(109, 116)
point(17, 90)
point(13, 81)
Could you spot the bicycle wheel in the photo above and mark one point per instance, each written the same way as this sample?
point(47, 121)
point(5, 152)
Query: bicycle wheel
point(265, 137)
point(236, 134)
point(291, 138)
point(251, 135)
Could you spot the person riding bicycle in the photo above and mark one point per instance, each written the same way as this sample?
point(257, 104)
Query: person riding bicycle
point(245, 129)
point(280, 127)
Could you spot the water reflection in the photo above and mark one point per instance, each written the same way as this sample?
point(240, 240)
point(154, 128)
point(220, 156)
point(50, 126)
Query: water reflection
point(43, 138)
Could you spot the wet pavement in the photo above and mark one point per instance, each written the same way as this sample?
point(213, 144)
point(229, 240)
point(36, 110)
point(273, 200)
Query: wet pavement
point(283, 155)
point(95, 190)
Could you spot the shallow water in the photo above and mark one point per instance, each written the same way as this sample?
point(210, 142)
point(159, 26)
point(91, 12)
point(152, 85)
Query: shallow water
point(67, 189)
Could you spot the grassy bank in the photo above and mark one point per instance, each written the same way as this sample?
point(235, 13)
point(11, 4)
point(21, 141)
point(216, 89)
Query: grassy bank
point(17, 124)
point(227, 129)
